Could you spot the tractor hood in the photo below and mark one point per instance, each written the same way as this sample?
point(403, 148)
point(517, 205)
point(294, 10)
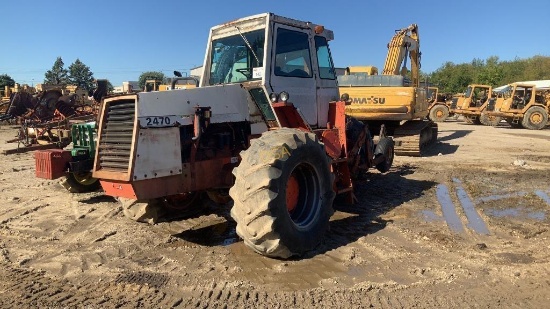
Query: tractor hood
point(228, 103)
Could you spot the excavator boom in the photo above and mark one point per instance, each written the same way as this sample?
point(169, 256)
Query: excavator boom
point(405, 41)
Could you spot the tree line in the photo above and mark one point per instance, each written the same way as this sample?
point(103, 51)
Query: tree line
point(450, 77)
point(77, 74)
point(454, 78)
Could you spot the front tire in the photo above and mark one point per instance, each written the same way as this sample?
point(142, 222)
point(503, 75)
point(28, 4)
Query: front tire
point(535, 118)
point(439, 113)
point(283, 193)
point(487, 120)
point(80, 182)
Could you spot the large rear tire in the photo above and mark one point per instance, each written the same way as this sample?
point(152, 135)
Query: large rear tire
point(283, 193)
point(535, 118)
point(439, 113)
point(487, 120)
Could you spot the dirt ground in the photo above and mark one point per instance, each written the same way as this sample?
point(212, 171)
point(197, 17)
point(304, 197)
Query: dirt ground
point(465, 226)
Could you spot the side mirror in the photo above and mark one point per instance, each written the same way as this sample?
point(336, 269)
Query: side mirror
point(177, 73)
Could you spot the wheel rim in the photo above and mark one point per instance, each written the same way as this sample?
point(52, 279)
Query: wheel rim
point(292, 193)
point(536, 118)
point(302, 195)
point(84, 178)
point(439, 113)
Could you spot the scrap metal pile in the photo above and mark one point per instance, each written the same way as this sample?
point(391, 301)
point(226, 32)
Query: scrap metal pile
point(47, 116)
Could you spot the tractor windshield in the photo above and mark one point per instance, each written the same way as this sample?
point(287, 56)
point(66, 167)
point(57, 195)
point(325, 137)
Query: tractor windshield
point(237, 58)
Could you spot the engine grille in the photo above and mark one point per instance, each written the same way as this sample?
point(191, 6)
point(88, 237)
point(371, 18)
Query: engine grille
point(491, 105)
point(115, 141)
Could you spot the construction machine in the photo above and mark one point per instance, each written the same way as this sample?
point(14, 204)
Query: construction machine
point(473, 103)
point(523, 105)
point(392, 100)
point(284, 162)
point(177, 82)
point(439, 105)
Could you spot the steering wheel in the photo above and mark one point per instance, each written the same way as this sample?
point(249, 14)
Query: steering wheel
point(245, 71)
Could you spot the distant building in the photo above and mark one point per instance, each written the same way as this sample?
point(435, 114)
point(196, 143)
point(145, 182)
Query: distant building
point(196, 72)
point(129, 86)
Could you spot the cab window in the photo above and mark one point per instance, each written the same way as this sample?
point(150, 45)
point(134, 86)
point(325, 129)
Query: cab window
point(292, 54)
point(326, 67)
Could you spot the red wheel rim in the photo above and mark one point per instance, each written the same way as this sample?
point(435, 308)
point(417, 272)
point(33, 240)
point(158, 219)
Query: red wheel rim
point(292, 193)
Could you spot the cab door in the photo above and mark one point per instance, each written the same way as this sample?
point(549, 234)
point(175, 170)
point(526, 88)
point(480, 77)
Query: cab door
point(327, 86)
point(292, 71)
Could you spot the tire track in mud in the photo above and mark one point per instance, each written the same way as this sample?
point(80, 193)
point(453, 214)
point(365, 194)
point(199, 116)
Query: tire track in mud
point(27, 288)
point(224, 295)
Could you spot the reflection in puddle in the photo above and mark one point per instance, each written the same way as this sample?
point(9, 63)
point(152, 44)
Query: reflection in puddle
point(500, 197)
point(543, 196)
point(448, 209)
point(518, 212)
point(475, 222)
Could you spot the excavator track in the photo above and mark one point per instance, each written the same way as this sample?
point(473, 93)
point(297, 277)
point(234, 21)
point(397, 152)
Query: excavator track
point(414, 136)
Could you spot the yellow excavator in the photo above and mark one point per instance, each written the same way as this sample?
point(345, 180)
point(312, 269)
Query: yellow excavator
point(393, 102)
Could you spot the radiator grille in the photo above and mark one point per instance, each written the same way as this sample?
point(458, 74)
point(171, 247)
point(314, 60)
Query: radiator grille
point(116, 137)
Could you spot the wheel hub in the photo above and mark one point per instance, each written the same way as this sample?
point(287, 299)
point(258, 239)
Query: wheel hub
point(536, 118)
point(84, 178)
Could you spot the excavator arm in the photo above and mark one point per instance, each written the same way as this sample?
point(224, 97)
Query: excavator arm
point(405, 41)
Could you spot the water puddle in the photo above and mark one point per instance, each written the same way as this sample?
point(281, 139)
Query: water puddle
point(475, 222)
point(448, 209)
point(500, 197)
point(543, 196)
point(519, 212)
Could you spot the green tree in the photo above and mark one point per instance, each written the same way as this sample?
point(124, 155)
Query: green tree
point(149, 75)
point(6, 80)
point(58, 75)
point(80, 75)
point(537, 67)
point(491, 73)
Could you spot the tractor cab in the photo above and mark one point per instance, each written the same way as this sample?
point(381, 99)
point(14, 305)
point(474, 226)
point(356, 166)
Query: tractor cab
point(269, 54)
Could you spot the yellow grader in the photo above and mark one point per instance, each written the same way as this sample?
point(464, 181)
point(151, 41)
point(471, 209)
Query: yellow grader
point(473, 104)
point(523, 105)
point(439, 105)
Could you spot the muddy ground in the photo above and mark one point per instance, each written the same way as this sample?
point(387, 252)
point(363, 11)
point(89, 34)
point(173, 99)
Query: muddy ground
point(465, 226)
